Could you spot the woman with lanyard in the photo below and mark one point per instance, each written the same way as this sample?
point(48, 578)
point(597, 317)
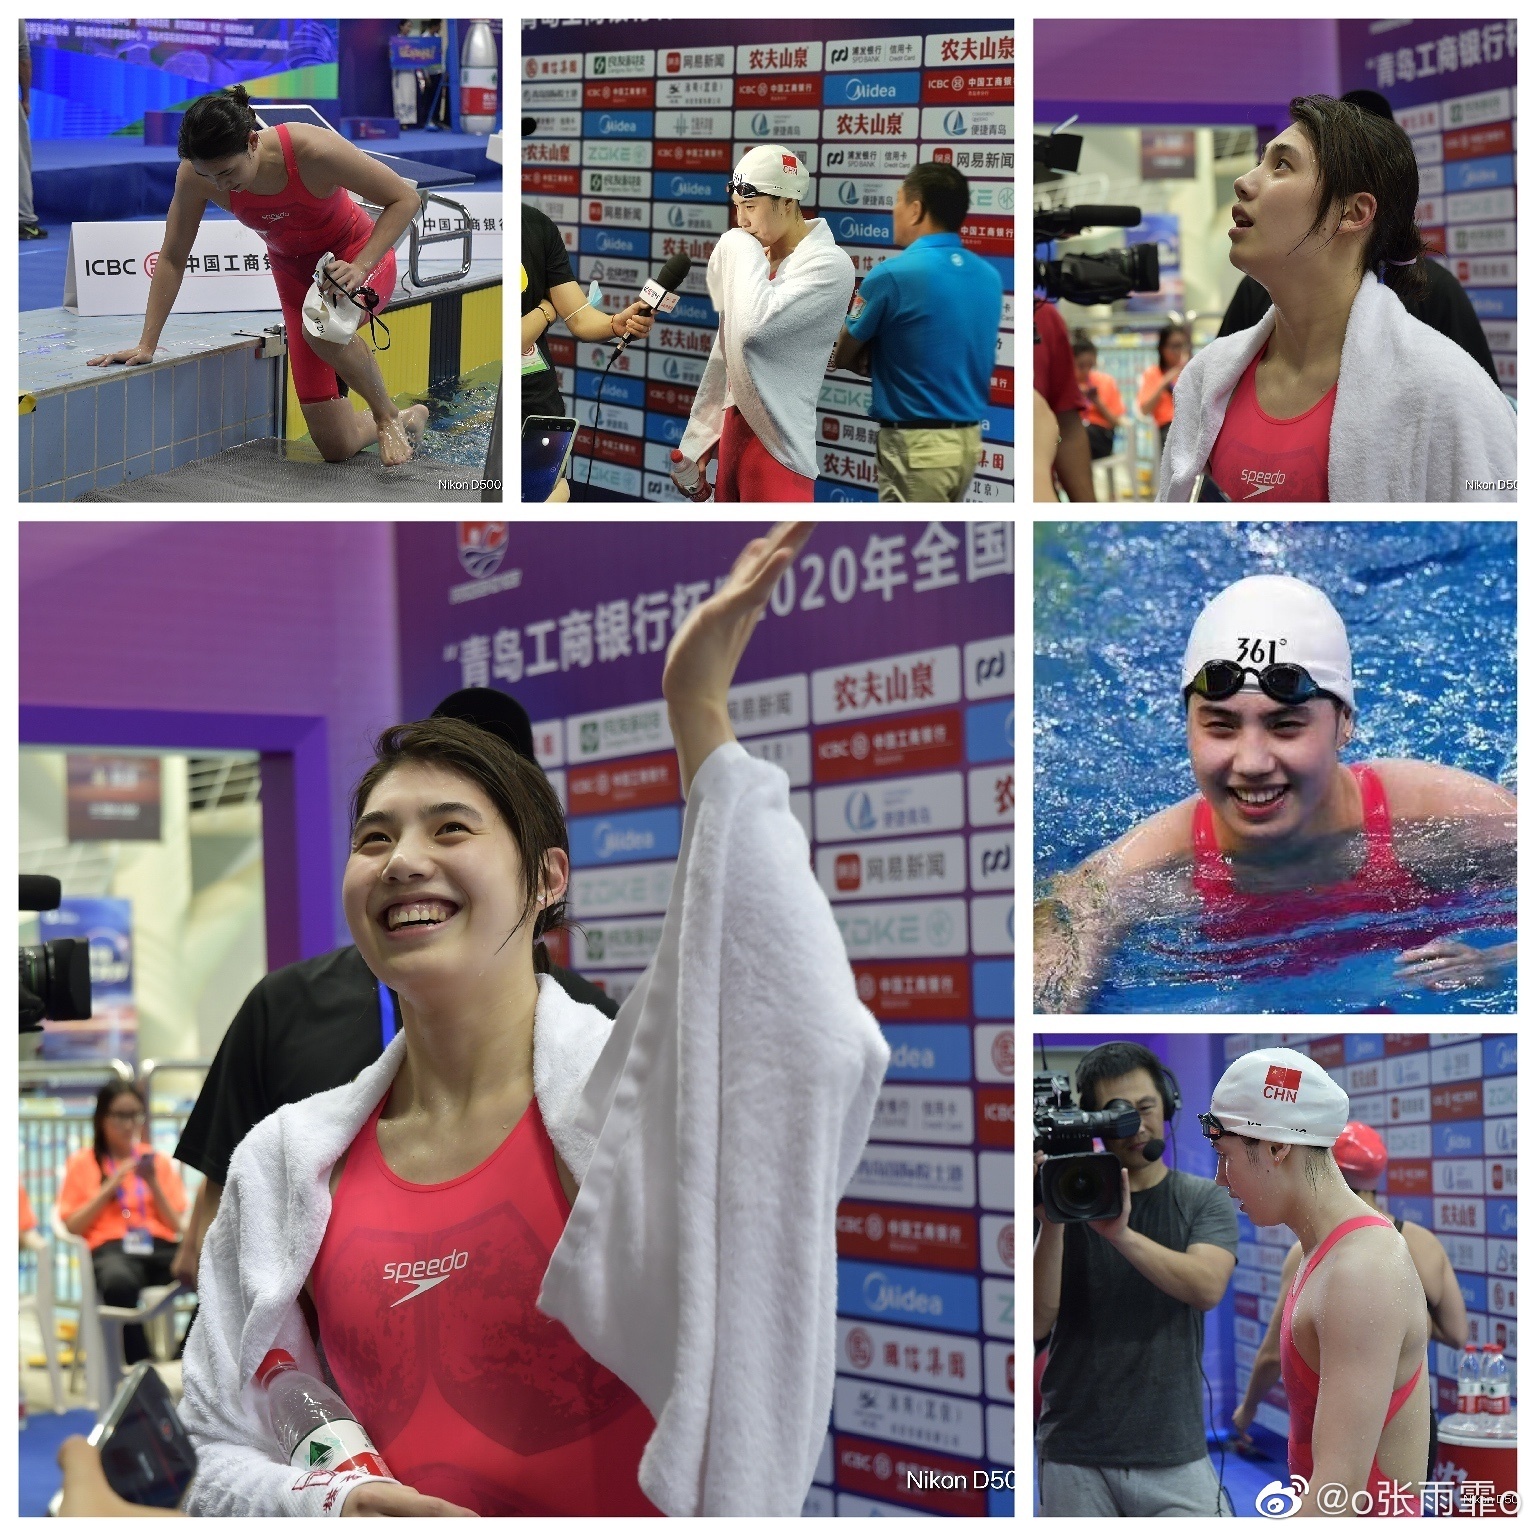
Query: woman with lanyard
point(290, 185)
point(127, 1201)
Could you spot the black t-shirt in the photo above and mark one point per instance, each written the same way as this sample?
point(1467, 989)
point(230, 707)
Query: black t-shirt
point(1122, 1387)
point(302, 1030)
point(1445, 308)
point(547, 265)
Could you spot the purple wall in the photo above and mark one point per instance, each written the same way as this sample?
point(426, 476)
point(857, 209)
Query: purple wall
point(220, 620)
point(1227, 71)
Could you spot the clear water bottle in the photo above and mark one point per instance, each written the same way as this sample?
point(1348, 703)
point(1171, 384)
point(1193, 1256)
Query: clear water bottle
point(685, 472)
point(1495, 1392)
point(1469, 1378)
point(316, 1430)
point(478, 80)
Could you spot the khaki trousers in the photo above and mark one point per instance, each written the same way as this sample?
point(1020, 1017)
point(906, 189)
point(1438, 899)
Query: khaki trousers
point(926, 463)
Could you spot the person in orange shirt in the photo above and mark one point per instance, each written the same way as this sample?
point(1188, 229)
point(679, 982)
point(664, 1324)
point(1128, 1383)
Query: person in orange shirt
point(127, 1201)
point(1155, 395)
point(1106, 411)
point(28, 1219)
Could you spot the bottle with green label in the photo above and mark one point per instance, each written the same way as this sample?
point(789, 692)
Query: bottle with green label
point(316, 1430)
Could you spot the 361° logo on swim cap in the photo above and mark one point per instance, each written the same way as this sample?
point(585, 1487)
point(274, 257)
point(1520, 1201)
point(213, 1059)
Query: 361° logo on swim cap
point(1283, 1083)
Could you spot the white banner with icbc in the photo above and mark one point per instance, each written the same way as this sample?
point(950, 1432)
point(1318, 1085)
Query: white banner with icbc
point(110, 266)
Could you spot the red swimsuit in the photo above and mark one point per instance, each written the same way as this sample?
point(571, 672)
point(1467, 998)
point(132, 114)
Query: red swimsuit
point(1301, 1384)
point(428, 1318)
point(299, 228)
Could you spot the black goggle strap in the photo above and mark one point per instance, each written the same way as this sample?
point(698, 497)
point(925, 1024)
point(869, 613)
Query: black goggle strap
point(743, 188)
point(1207, 686)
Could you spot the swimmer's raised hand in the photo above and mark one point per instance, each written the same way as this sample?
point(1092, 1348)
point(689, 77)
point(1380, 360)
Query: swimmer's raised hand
point(397, 1499)
point(133, 356)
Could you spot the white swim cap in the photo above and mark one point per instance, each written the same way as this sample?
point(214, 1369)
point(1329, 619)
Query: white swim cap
point(1277, 1094)
point(1262, 620)
point(770, 170)
point(328, 317)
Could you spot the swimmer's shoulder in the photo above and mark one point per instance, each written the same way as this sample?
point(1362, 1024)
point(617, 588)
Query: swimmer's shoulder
point(1419, 791)
point(1162, 841)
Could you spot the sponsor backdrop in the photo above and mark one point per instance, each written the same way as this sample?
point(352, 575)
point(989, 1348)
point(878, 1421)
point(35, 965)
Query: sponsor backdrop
point(1452, 89)
point(881, 682)
point(639, 127)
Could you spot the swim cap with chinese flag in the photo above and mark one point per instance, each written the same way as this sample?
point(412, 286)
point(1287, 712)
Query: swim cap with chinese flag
point(1277, 1094)
point(770, 170)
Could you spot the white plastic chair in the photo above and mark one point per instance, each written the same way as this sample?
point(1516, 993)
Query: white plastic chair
point(40, 1305)
point(101, 1326)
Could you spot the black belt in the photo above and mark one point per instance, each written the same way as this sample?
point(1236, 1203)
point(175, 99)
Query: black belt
point(907, 425)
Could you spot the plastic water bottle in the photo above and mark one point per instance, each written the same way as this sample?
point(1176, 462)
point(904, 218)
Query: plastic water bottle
point(687, 475)
point(316, 1430)
point(478, 80)
point(1469, 1377)
point(1495, 1392)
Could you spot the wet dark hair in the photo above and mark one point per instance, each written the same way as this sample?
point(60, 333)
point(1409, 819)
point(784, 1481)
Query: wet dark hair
point(217, 125)
point(944, 193)
point(1166, 335)
point(517, 788)
point(1359, 151)
point(104, 1100)
point(1114, 1059)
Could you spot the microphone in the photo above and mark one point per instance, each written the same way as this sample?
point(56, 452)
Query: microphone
point(1153, 1150)
point(1091, 215)
point(40, 893)
point(661, 289)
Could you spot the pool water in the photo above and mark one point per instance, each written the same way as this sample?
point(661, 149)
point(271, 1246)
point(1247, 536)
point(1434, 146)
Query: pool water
point(459, 428)
point(1430, 610)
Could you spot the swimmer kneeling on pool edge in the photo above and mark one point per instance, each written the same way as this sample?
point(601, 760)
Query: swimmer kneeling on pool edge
point(290, 185)
point(1269, 703)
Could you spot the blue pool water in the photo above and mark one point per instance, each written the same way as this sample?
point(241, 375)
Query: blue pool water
point(1430, 610)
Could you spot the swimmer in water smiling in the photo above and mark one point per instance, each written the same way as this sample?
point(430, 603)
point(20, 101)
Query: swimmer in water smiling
point(290, 185)
point(1281, 832)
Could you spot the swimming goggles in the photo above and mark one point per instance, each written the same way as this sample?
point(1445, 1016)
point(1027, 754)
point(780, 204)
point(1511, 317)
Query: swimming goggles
point(743, 188)
point(1283, 681)
point(1212, 1128)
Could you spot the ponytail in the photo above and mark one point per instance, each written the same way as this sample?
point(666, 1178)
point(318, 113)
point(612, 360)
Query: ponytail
point(217, 125)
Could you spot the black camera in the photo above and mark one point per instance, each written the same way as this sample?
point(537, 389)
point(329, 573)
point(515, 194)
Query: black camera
point(1086, 279)
point(56, 976)
point(1075, 1183)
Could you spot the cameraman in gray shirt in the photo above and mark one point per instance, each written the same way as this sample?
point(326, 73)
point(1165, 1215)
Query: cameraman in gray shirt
point(1122, 1301)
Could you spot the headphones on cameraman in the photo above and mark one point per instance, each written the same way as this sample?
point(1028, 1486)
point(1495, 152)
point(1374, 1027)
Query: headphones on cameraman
point(1166, 1083)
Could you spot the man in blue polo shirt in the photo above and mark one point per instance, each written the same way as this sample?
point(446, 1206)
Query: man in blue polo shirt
point(929, 319)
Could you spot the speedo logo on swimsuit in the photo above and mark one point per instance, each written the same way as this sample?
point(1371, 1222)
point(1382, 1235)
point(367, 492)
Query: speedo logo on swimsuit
point(272, 218)
point(1264, 480)
point(1282, 1083)
point(424, 1273)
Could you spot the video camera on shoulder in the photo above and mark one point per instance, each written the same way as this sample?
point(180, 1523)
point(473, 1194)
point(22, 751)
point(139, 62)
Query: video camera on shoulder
point(1075, 1183)
point(1100, 278)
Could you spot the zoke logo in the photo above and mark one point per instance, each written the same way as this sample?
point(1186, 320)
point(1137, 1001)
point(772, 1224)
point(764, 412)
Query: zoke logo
point(1283, 1083)
point(424, 1273)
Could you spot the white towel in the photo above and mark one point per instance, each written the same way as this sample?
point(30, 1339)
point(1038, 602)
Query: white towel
point(712, 1127)
point(746, 1062)
point(1415, 419)
point(774, 343)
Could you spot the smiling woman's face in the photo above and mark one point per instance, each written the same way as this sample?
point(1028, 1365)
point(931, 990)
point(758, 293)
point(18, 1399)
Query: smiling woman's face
point(433, 886)
point(1265, 768)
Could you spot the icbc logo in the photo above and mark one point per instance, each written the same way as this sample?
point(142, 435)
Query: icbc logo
point(151, 262)
point(861, 1348)
point(859, 745)
point(110, 266)
point(849, 871)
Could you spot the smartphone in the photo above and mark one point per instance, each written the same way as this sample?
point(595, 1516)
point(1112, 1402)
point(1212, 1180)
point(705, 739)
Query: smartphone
point(145, 1453)
point(547, 443)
